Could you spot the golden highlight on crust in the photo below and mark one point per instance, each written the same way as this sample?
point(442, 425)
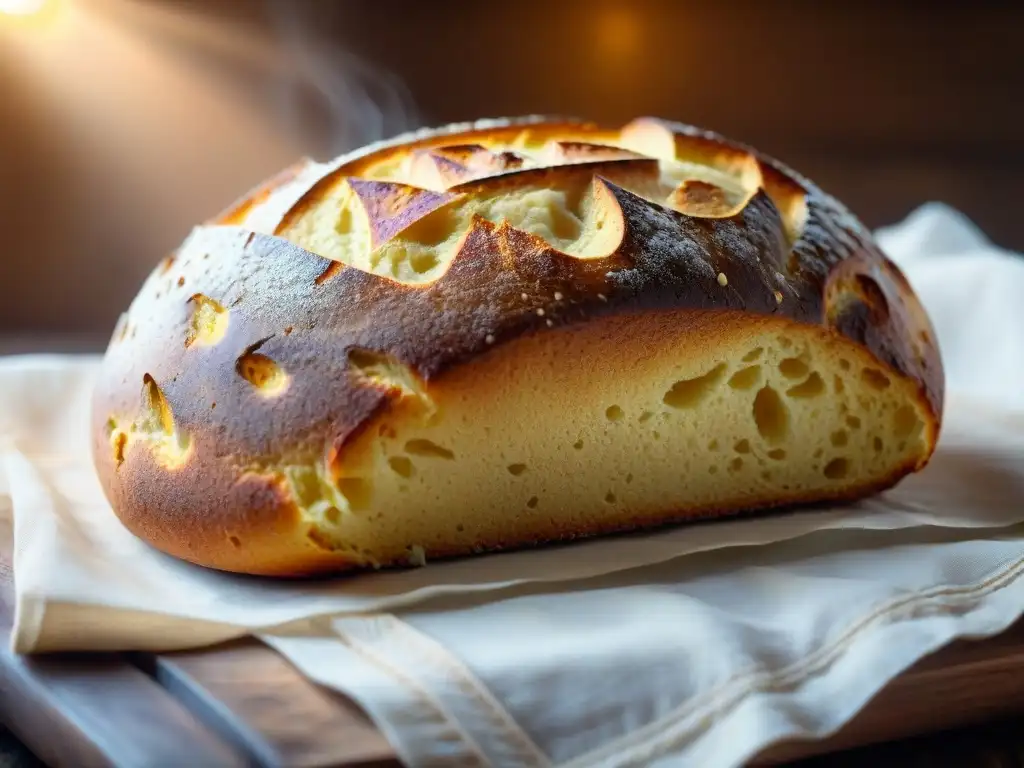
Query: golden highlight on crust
point(154, 429)
point(408, 220)
point(209, 322)
point(389, 229)
point(384, 371)
point(504, 334)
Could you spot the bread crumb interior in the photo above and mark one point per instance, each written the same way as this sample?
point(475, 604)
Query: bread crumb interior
point(557, 433)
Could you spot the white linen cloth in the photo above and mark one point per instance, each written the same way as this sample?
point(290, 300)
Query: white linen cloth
point(610, 652)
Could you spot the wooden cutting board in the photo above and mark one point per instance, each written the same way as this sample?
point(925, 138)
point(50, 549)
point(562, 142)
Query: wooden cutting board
point(241, 704)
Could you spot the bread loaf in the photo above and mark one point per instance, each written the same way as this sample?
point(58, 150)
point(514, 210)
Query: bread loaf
point(503, 334)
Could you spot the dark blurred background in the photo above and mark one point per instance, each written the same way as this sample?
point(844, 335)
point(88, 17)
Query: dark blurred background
point(124, 122)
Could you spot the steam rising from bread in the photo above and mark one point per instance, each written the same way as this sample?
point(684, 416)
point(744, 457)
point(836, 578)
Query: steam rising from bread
point(340, 99)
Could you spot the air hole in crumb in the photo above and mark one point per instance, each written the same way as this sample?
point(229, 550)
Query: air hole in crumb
point(837, 469)
point(736, 464)
point(844, 364)
point(422, 262)
point(819, 453)
point(713, 445)
point(332, 515)
point(777, 453)
point(753, 355)
point(839, 386)
point(793, 368)
point(688, 393)
point(357, 490)
point(629, 478)
point(263, 373)
point(785, 342)
point(742, 446)
point(878, 444)
point(424, 447)
point(905, 421)
point(645, 416)
point(712, 470)
point(771, 415)
point(746, 378)
point(656, 435)
point(614, 413)
point(532, 502)
point(766, 475)
point(875, 379)
point(812, 387)
point(235, 541)
point(578, 445)
point(839, 438)
point(401, 465)
point(516, 469)
point(609, 498)
point(460, 528)
point(853, 422)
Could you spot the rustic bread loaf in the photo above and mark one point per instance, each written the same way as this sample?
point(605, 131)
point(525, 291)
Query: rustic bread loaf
point(507, 333)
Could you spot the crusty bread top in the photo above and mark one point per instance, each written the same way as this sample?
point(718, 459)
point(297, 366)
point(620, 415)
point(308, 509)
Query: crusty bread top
point(356, 282)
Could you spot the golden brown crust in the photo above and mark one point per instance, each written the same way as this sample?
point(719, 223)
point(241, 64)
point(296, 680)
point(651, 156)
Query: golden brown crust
point(236, 311)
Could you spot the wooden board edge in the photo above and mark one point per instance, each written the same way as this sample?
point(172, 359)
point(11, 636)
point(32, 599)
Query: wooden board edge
point(240, 687)
point(85, 710)
point(100, 711)
point(975, 680)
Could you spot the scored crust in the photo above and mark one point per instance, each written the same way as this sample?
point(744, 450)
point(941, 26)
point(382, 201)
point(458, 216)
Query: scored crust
point(508, 333)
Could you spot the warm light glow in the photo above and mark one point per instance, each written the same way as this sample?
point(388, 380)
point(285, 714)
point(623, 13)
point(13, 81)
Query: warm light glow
point(28, 13)
point(619, 33)
point(113, 90)
point(21, 7)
